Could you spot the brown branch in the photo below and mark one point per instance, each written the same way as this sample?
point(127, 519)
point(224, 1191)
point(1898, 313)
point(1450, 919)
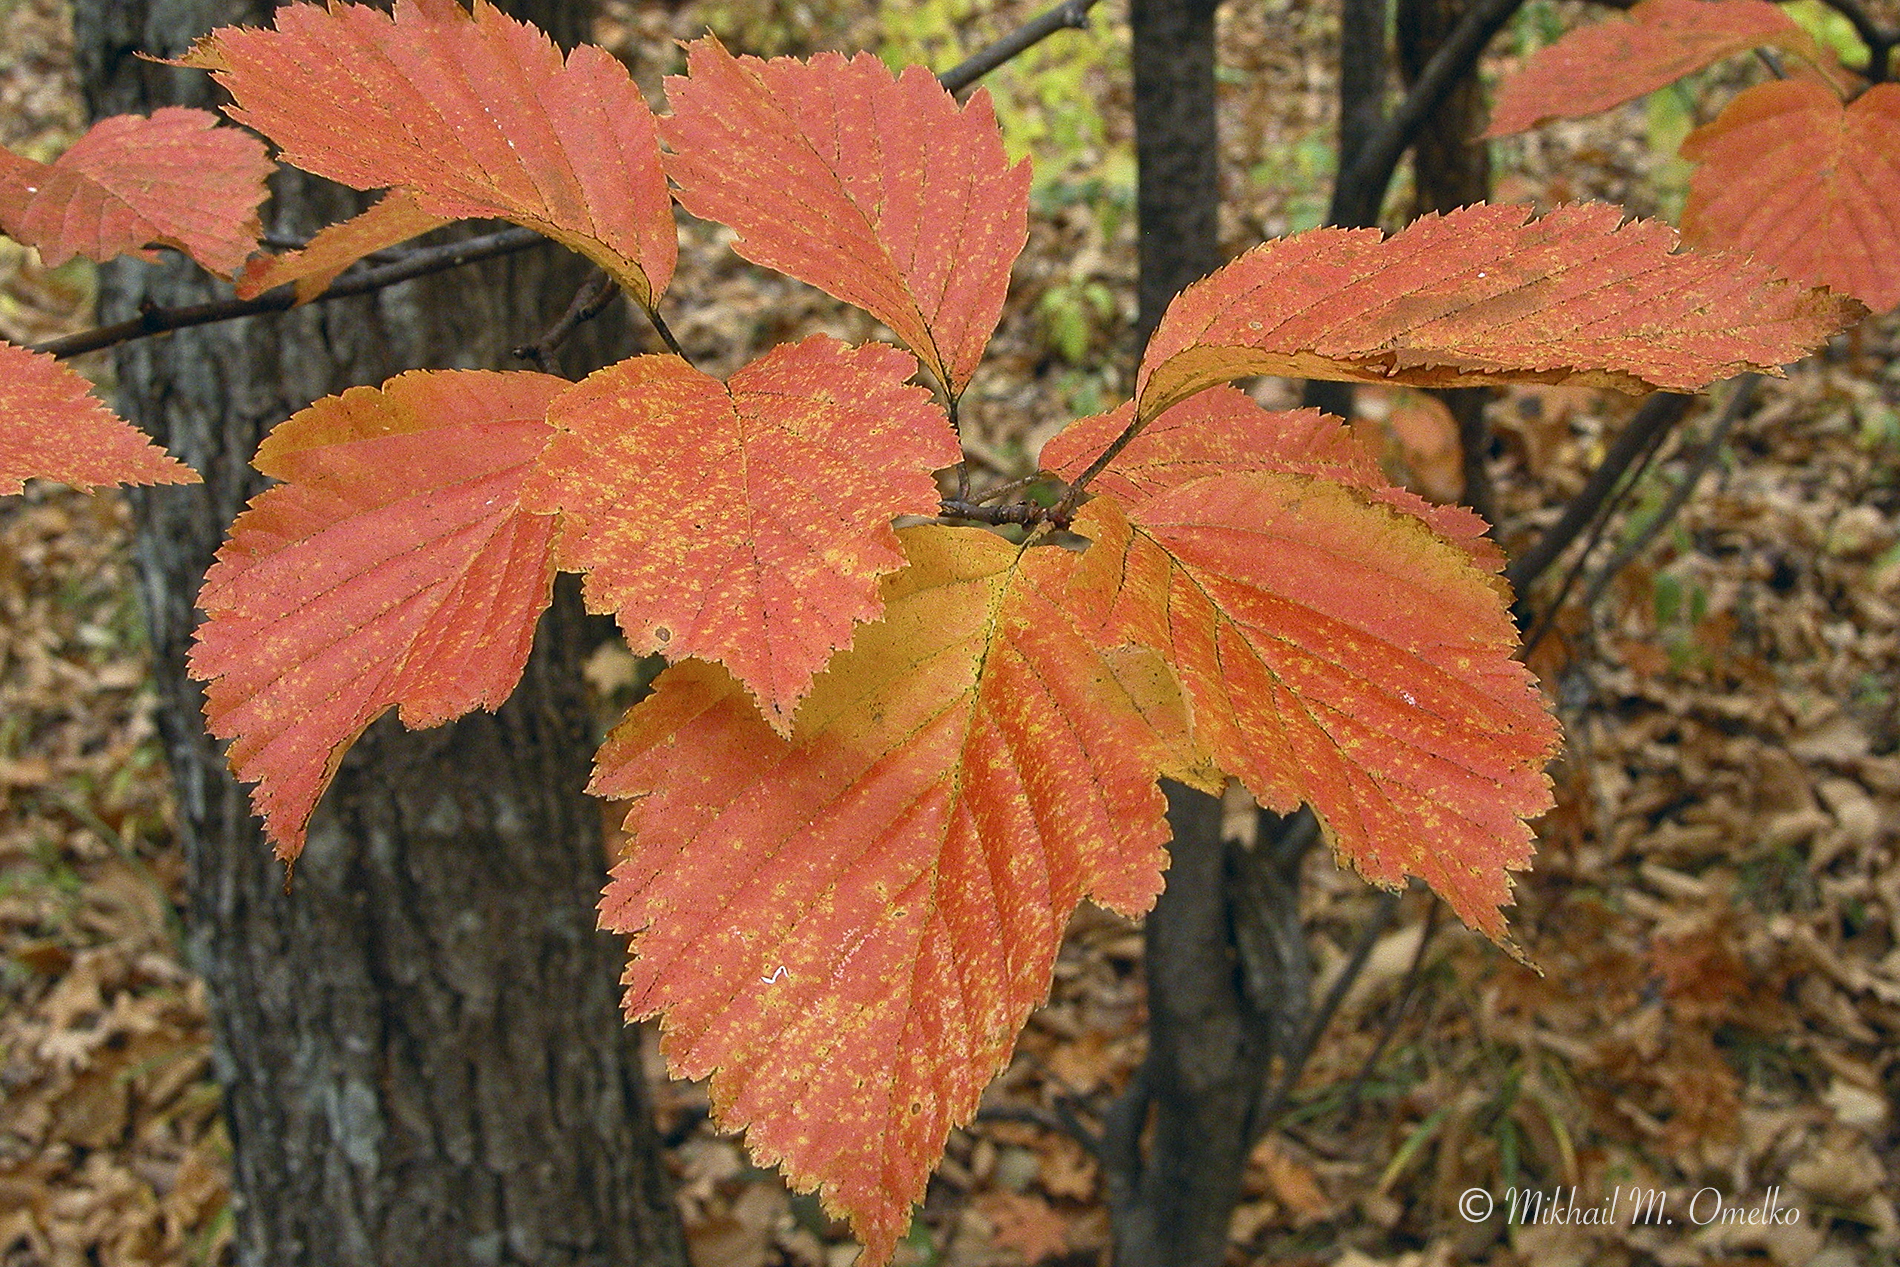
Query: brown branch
point(1880, 41)
point(1069, 15)
point(1739, 400)
point(1363, 181)
point(589, 302)
point(1656, 416)
point(418, 263)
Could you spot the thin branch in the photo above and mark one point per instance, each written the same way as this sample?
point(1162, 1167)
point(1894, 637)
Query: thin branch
point(1547, 619)
point(666, 334)
point(1880, 41)
point(1072, 14)
point(1361, 186)
point(1065, 509)
point(1024, 513)
point(1276, 1101)
point(1655, 417)
point(419, 263)
point(1739, 400)
point(589, 302)
point(1069, 15)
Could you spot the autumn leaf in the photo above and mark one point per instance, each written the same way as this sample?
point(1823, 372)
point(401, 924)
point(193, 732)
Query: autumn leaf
point(1808, 186)
point(52, 427)
point(846, 929)
point(745, 524)
point(395, 217)
point(882, 192)
point(175, 179)
point(393, 567)
point(1337, 652)
point(1619, 59)
point(477, 114)
point(1222, 430)
point(1482, 296)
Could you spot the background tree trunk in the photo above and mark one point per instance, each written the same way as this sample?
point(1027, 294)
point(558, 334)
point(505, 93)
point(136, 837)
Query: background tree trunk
point(419, 1042)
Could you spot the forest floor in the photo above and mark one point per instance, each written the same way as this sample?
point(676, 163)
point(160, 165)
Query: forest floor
point(1715, 904)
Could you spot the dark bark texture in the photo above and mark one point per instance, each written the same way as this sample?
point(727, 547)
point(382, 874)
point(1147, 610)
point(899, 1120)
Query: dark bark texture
point(1451, 168)
point(419, 1043)
point(1177, 151)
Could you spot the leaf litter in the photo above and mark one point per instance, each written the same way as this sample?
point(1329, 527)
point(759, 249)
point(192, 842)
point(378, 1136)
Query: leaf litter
point(1714, 901)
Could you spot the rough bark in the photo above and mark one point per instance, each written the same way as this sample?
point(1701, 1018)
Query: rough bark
point(1451, 168)
point(419, 1044)
point(1177, 151)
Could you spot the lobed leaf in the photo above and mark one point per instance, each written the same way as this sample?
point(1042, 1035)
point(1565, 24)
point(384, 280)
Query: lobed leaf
point(1485, 295)
point(744, 524)
point(1595, 67)
point(52, 427)
point(1337, 652)
point(1222, 430)
point(845, 929)
point(882, 192)
point(395, 217)
point(175, 179)
point(394, 566)
point(477, 114)
point(1807, 186)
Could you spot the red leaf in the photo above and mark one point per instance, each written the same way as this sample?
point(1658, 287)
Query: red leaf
point(477, 114)
point(846, 929)
point(1222, 430)
point(51, 427)
point(881, 192)
point(1808, 187)
point(746, 525)
point(1336, 652)
point(394, 566)
point(1617, 60)
point(1480, 296)
point(394, 218)
point(175, 179)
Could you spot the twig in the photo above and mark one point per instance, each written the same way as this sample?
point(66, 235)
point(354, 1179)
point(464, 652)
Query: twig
point(589, 302)
point(1276, 1100)
point(1060, 1122)
point(1407, 985)
point(1547, 619)
point(1739, 400)
point(422, 262)
point(418, 263)
point(1662, 411)
point(1069, 15)
point(1024, 513)
point(1880, 41)
point(1362, 183)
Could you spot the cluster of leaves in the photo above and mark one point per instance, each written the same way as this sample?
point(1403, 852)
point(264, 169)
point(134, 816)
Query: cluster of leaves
point(1803, 172)
point(886, 764)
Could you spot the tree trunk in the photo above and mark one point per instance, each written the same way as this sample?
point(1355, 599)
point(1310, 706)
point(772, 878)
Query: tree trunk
point(1177, 151)
point(1225, 983)
point(1451, 168)
point(419, 1043)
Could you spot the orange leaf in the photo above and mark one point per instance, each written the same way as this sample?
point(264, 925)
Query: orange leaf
point(1337, 652)
point(394, 566)
point(1808, 187)
point(395, 217)
point(1222, 430)
point(884, 193)
point(52, 427)
point(476, 113)
point(1480, 296)
point(175, 179)
point(847, 928)
point(746, 524)
point(1617, 60)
